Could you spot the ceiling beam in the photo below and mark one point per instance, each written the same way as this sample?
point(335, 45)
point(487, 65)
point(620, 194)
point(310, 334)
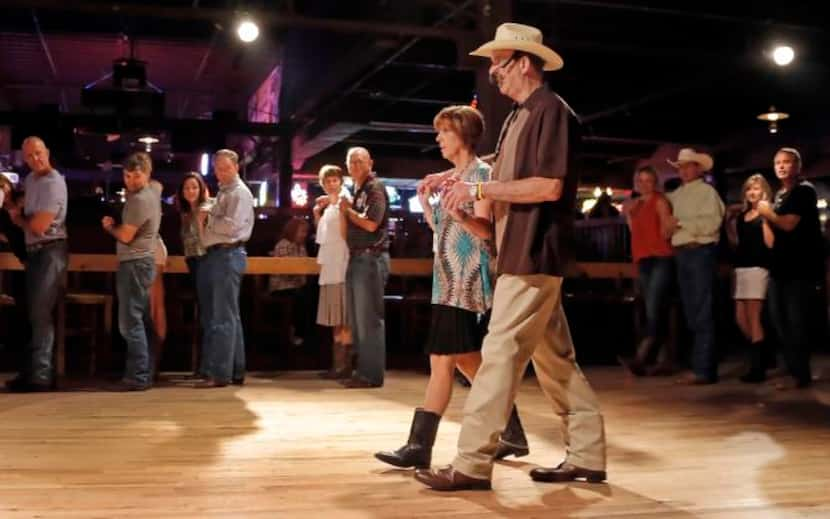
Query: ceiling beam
point(383, 96)
point(48, 54)
point(321, 111)
point(226, 17)
point(682, 13)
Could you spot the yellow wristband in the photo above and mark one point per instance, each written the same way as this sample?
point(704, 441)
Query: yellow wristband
point(479, 193)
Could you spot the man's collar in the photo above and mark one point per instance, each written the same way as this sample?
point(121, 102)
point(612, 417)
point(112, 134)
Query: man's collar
point(533, 99)
point(230, 184)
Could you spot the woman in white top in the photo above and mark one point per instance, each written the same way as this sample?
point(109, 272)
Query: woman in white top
point(158, 311)
point(333, 257)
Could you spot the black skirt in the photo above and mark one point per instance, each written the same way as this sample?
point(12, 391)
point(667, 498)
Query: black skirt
point(454, 330)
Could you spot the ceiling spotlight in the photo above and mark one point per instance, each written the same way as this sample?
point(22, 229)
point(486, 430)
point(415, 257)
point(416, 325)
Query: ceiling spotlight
point(783, 55)
point(247, 31)
point(148, 142)
point(773, 116)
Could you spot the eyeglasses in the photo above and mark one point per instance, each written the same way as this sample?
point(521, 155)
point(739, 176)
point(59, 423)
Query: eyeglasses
point(504, 63)
point(494, 79)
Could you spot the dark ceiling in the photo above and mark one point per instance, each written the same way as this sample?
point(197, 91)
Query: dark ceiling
point(643, 75)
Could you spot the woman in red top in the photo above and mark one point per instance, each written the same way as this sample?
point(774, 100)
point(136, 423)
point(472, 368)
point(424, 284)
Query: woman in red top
point(648, 219)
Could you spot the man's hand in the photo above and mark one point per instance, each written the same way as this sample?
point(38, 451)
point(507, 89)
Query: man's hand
point(456, 193)
point(458, 215)
point(433, 182)
point(765, 208)
point(673, 225)
point(16, 216)
point(202, 216)
point(107, 223)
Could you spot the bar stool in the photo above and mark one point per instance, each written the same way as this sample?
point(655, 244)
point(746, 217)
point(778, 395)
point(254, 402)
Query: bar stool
point(183, 318)
point(91, 304)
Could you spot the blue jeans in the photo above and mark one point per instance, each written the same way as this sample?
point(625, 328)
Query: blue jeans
point(655, 274)
point(696, 277)
point(132, 283)
point(365, 281)
point(220, 274)
point(45, 275)
point(193, 265)
point(790, 302)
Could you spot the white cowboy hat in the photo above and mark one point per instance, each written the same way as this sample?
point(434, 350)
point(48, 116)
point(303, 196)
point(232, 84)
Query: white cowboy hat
point(690, 155)
point(515, 36)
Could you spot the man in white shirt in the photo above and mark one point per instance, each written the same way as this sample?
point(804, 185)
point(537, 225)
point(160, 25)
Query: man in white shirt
point(698, 214)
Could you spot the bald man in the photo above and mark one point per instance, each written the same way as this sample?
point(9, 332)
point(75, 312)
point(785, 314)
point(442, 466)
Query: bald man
point(43, 220)
point(368, 241)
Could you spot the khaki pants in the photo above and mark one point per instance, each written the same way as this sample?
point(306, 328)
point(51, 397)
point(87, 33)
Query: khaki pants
point(528, 322)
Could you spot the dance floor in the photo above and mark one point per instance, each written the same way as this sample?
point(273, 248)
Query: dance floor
point(289, 445)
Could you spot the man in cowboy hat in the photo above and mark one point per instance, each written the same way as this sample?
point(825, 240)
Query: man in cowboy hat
point(698, 213)
point(533, 194)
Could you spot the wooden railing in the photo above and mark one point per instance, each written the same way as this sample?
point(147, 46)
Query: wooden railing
point(262, 265)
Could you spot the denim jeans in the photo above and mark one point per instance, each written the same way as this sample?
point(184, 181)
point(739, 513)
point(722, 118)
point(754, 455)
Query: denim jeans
point(790, 302)
point(45, 280)
point(193, 265)
point(696, 277)
point(132, 284)
point(365, 281)
point(655, 275)
point(220, 274)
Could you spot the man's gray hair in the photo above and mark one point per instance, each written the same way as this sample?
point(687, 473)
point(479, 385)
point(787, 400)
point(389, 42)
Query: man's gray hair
point(794, 152)
point(228, 154)
point(358, 149)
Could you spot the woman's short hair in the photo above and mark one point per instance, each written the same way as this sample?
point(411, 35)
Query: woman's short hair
point(330, 170)
point(465, 121)
point(139, 161)
point(182, 204)
point(759, 179)
point(292, 227)
point(648, 170)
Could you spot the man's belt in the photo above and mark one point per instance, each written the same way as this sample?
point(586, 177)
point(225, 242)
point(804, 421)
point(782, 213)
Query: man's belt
point(43, 244)
point(231, 245)
point(691, 245)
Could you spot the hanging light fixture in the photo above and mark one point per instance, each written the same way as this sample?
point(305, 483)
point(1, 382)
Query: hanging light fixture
point(773, 116)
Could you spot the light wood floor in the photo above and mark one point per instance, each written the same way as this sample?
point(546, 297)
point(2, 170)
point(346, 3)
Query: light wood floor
point(292, 446)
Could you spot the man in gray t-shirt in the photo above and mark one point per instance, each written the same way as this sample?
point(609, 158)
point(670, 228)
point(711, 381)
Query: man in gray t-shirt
point(142, 210)
point(137, 237)
point(42, 221)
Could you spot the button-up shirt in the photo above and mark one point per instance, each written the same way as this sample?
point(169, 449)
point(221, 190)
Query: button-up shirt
point(231, 219)
point(699, 211)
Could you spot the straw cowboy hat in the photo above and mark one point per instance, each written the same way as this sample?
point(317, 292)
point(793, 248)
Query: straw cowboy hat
point(515, 36)
point(689, 155)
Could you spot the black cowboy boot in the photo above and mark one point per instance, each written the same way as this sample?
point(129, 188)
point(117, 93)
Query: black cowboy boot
point(418, 449)
point(757, 372)
point(513, 441)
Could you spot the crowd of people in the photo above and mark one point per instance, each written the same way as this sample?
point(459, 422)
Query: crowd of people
point(502, 226)
point(779, 260)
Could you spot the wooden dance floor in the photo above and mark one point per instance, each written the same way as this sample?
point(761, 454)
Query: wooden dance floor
point(289, 445)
